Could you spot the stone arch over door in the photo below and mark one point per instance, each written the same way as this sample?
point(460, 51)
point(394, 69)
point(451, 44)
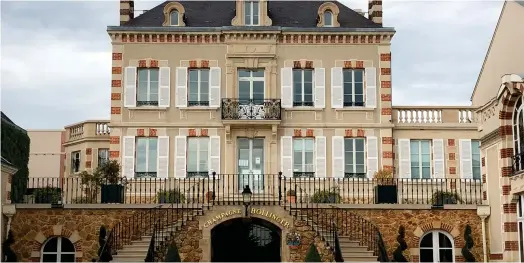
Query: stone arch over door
point(421, 230)
point(275, 215)
point(56, 231)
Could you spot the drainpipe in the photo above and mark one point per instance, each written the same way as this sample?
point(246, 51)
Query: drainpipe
point(483, 212)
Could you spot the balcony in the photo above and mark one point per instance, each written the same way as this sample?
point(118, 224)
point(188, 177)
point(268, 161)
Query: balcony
point(93, 129)
point(434, 116)
point(245, 111)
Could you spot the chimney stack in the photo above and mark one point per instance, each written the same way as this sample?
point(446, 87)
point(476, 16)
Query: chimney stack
point(375, 11)
point(127, 11)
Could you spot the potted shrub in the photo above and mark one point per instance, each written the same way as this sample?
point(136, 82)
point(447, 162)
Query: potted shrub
point(47, 195)
point(291, 196)
point(210, 196)
point(112, 187)
point(386, 191)
point(331, 196)
point(441, 198)
point(171, 196)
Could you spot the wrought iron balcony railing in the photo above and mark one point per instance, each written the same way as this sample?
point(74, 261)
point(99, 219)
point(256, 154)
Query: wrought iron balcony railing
point(518, 163)
point(251, 109)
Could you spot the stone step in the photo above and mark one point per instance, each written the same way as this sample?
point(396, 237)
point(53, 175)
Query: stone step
point(144, 242)
point(353, 246)
point(129, 258)
point(133, 250)
point(361, 259)
point(346, 254)
point(138, 246)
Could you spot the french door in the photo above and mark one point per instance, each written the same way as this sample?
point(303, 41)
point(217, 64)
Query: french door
point(251, 164)
point(251, 86)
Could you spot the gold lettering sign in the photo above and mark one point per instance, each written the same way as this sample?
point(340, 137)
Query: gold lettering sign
point(260, 212)
point(219, 217)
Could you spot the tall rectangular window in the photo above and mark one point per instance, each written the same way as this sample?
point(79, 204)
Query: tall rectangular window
point(302, 87)
point(420, 159)
point(251, 13)
point(75, 162)
point(197, 157)
point(146, 157)
point(147, 93)
point(475, 162)
point(198, 87)
point(353, 87)
point(354, 157)
point(303, 152)
point(103, 156)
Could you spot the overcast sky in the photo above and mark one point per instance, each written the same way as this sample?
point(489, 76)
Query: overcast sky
point(56, 56)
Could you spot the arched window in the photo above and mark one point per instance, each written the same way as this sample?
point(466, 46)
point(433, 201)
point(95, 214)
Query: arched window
point(328, 18)
point(436, 246)
point(58, 249)
point(518, 135)
point(173, 17)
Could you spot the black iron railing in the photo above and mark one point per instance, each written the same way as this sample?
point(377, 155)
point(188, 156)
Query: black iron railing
point(197, 103)
point(518, 163)
point(251, 109)
point(225, 189)
point(146, 103)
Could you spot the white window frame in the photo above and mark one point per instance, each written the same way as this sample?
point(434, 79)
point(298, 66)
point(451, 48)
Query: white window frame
point(353, 151)
point(59, 251)
point(199, 81)
point(435, 245)
point(251, 14)
point(76, 155)
point(147, 156)
point(353, 87)
point(420, 159)
point(480, 164)
point(303, 163)
point(200, 141)
point(302, 81)
point(517, 136)
point(252, 79)
point(171, 22)
point(106, 157)
point(148, 85)
point(331, 21)
point(520, 225)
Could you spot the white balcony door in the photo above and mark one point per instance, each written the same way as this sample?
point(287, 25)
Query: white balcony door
point(251, 164)
point(251, 87)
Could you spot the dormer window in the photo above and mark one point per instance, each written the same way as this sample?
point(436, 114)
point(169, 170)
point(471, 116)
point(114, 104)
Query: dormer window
point(252, 13)
point(173, 18)
point(328, 18)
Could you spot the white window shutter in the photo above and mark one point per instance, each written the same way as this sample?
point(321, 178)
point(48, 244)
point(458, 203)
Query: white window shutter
point(128, 156)
point(286, 87)
point(371, 87)
point(162, 157)
point(181, 87)
point(466, 165)
point(130, 87)
point(180, 156)
point(320, 156)
point(372, 151)
point(214, 87)
point(337, 88)
point(338, 156)
point(214, 155)
point(320, 88)
point(164, 87)
point(286, 155)
point(439, 169)
point(404, 158)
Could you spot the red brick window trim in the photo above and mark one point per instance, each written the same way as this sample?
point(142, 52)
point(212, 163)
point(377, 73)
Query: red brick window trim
point(435, 236)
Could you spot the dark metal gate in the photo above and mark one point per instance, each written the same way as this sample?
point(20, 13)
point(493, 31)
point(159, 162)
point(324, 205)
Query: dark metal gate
point(246, 240)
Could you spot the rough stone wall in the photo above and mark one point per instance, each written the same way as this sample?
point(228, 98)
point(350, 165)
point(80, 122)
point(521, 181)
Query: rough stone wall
point(187, 241)
point(307, 237)
point(30, 224)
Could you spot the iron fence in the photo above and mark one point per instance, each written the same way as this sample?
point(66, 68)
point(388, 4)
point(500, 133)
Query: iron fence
point(268, 189)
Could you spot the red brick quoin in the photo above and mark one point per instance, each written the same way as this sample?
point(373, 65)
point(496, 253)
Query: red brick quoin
point(49, 233)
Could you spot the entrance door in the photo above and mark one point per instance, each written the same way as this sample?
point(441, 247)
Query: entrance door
point(251, 164)
point(251, 94)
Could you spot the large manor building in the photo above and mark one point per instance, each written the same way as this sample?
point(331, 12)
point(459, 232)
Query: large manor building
point(292, 101)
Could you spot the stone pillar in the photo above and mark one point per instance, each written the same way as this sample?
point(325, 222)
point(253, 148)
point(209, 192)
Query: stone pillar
point(483, 212)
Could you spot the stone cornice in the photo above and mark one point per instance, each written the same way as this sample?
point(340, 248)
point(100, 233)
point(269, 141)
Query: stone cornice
point(213, 37)
point(490, 137)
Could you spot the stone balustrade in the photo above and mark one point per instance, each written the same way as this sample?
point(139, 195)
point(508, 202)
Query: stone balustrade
point(87, 129)
point(433, 115)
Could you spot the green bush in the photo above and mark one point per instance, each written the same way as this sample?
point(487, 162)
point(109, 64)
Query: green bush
point(326, 196)
point(15, 149)
point(172, 253)
point(313, 255)
point(47, 195)
point(171, 196)
point(445, 197)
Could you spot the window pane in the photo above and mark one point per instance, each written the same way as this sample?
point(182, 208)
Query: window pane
point(426, 172)
point(426, 160)
point(192, 155)
point(244, 90)
point(247, 13)
point(141, 155)
point(359, 76)
point(359, 145)
point(328, 18)
point(308, 76)
point(298, 145)
point(242, 73)
point(309, 144)
point(476, 159)
point(427, 241)
point(297, 161)
point(67, 246)
point(415, 172)
point(444, 241)
point(475, 147)
point(67, 258)
point(309, 160)
point(445, 255)
point(425, 145)
point(152, 162)
point(347, 75)
point(258, 90)
point(142, 91)
point(174, 18)
point(476, 172)
point(49, 258)
point(349, 168)
point(153, 91)
point(153, 75)
point(360, 158)
point(51, 245)
point(348, 145)
point(359, 98)
point(359, 88)
point(258, 73)
point(414, 147)
point(349, 157)
point(426, 255)
point(361, 169)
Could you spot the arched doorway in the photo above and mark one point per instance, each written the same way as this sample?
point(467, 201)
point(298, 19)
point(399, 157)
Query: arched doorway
point(246, 240)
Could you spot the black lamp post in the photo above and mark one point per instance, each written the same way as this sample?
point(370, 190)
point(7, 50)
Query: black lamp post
point(246, 197)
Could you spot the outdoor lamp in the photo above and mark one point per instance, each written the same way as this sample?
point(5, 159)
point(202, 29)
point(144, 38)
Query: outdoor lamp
point(246, 196)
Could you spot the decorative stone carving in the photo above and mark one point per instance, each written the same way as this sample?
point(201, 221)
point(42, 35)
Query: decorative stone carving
point(251, 133)
point(228, 133)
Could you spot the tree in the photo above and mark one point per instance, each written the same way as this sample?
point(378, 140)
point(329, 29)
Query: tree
point(398, 255)
point(172, 253)
point(104, 250)
point(9, 255)
point(466, 253)
point(313, 255)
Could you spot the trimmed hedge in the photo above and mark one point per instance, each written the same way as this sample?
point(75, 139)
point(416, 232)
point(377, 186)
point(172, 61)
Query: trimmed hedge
point(15, 148)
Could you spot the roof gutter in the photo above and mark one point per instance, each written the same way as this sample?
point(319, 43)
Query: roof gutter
point(254, 29)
